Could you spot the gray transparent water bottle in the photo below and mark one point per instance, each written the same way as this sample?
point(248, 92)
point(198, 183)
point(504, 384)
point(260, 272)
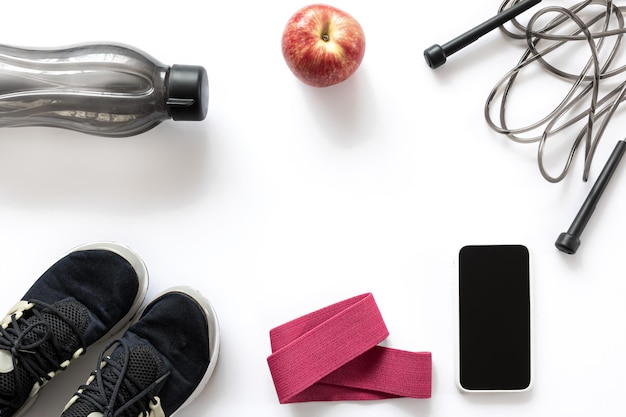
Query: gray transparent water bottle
point(100, 89)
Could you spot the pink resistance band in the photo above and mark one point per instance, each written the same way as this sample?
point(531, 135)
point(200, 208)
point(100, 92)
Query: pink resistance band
point(332, 355)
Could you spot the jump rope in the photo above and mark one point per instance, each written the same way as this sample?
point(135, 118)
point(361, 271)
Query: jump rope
point(554, 36)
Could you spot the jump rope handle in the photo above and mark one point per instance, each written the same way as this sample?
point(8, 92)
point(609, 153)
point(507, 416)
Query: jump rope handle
point(437, 55)
point(569, 241)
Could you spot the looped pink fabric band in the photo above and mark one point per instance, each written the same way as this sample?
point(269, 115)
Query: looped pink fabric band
point(332, 355)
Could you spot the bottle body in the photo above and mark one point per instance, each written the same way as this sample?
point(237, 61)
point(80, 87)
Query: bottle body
point(99, 89)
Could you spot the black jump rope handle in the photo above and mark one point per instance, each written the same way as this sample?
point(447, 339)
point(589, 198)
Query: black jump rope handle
point(569, 241)
point(437, 55)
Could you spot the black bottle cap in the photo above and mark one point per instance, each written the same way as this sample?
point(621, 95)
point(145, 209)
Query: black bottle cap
point(187, 93)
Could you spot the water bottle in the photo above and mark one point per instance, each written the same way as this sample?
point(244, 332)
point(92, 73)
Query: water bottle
point(100, 89)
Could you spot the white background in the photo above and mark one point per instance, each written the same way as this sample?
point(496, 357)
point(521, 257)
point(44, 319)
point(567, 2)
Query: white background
point(289, 198)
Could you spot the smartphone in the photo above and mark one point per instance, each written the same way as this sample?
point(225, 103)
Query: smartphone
point(494, 320)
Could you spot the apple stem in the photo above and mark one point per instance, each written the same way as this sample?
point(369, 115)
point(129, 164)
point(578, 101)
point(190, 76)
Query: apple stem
point(325, 37)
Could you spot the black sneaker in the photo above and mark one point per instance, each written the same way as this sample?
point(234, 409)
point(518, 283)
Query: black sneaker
point(160, 364)
point(93, 291)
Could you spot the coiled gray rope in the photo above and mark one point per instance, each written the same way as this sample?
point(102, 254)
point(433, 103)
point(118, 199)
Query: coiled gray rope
point(595, 94)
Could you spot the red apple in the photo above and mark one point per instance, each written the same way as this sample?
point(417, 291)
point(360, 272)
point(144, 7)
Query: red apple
point(323, 45)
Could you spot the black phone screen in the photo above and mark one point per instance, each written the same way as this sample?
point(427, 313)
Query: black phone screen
point(494, 318)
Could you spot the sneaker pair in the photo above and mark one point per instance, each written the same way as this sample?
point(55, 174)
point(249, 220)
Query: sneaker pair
point(159, 365)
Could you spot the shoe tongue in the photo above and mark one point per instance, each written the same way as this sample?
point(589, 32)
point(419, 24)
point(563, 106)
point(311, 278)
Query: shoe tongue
point(144, 367)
